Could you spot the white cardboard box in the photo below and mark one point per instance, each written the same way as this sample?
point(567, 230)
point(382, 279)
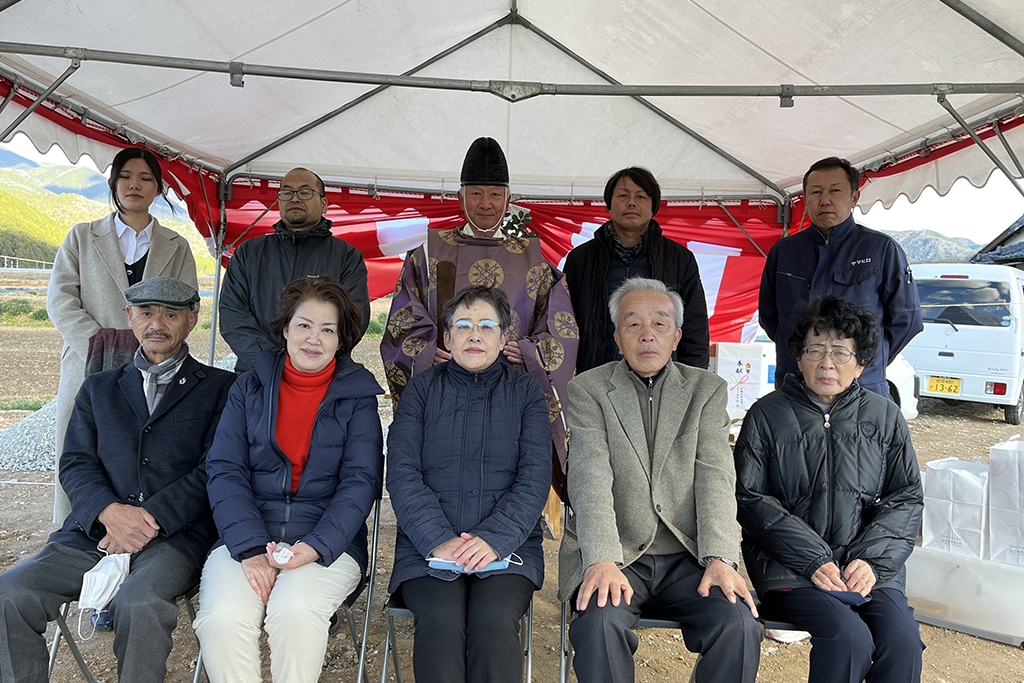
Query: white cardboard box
point(973, 596)
point(745, 370)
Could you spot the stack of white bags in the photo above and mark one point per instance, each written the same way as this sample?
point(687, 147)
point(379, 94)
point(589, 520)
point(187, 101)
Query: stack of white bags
point(977, 510)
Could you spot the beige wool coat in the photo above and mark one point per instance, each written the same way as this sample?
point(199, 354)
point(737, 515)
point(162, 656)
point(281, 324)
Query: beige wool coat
point(619, 492)
point(86, 292)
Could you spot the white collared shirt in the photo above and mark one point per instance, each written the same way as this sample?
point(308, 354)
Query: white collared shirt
point(468, 231)
point(133, 245)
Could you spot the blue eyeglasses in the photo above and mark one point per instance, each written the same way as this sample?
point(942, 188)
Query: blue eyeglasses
point(485, 327)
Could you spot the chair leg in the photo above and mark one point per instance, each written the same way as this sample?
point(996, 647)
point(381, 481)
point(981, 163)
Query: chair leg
point(387, 650)
point(361, 675)
point(565, 649)
point(62, 627)
point(56, 643)
point(191, 611)
point(529, 643)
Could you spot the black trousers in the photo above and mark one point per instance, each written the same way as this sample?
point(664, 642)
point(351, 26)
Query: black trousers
point(665, 586)
point(879, 641)
point(468, 629)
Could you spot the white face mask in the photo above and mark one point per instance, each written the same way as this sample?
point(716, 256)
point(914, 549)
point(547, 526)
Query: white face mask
point(100, 585)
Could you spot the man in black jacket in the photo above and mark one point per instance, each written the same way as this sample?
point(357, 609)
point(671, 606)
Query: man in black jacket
point(301, 245)
point(631, 244)
point(134, 467)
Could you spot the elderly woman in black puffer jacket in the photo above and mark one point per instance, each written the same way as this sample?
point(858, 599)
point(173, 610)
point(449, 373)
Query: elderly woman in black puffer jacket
point(829, 498)
point(469, 468)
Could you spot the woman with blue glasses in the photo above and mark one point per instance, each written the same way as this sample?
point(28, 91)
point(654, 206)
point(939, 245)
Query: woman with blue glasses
point(469, 468)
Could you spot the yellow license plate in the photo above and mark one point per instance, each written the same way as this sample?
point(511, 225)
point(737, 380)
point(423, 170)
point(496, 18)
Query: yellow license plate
point(944, 385)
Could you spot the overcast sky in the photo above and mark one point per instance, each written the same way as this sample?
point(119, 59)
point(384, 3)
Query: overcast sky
point(977, 214)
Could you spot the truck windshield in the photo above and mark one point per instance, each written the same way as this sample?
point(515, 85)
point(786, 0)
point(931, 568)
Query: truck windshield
point(965, 302)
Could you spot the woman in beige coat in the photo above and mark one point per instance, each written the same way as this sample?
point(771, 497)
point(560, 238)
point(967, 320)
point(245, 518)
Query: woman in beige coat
point(93, 267)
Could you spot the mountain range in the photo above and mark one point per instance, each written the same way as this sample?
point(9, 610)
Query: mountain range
point(40, 204)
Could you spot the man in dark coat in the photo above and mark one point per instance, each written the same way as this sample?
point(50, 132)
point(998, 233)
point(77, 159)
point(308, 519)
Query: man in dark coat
point(838, 256)
point(631, 244)
point(301, 245)
point(134, 468)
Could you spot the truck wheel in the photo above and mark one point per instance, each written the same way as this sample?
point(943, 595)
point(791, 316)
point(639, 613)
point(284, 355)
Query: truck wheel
point(1013, 414)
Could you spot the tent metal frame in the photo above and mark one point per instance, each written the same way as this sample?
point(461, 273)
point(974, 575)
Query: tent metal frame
point(511, 91)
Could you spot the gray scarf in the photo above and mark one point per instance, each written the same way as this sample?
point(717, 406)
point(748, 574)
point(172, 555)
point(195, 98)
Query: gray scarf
point(156, 376)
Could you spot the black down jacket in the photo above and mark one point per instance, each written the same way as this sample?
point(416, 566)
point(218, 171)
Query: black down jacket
point(813, 488)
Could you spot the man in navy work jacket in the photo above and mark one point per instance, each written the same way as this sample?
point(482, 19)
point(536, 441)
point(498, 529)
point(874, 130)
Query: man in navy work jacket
point(134, 468)
point(838, 256)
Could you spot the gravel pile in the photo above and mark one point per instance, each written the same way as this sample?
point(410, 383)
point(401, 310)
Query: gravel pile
point(28, 445)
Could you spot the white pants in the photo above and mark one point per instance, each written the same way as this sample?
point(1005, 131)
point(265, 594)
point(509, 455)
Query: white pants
point(297, 618)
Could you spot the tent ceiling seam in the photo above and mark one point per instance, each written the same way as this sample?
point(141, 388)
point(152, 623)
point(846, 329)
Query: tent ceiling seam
point(790, 67)
point(365, 96)
point(543, 35)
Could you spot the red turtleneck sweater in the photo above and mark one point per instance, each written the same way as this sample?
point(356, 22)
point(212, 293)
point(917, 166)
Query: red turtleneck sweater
point(298, 400)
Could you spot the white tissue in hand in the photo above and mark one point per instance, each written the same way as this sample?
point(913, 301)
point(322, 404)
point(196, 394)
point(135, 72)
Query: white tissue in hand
point(283, 554)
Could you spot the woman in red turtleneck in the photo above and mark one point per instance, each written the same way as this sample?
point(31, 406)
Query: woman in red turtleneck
point(296, 465)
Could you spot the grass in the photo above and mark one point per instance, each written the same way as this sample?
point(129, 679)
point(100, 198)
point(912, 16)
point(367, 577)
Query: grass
point(377, 325)
point(25, 403)
point(24, 312)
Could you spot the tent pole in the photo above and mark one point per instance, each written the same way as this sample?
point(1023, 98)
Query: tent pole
point(977, 140)
point(985, 24)
point(218, 255)
point(1009, 150)
point(10, 96)
point(72, 68)
point(733, 219)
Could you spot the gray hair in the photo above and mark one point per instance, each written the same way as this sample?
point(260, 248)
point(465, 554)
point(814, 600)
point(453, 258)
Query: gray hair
point(638, 284)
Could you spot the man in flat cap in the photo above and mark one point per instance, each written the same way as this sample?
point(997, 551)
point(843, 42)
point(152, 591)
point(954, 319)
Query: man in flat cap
point(134, 468)
point(302, 245)
point(544, 336)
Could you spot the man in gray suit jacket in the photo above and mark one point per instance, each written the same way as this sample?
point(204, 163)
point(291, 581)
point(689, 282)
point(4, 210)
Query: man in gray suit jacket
point(652, 485)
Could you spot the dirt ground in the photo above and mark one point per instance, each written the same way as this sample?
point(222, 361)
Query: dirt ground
point(30, 358)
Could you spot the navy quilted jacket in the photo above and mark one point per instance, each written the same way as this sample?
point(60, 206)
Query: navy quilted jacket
point(250, 477)
point(469, 452)
point(814, 488)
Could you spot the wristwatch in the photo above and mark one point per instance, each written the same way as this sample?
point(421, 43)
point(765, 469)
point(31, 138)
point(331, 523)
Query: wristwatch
point(707, 560)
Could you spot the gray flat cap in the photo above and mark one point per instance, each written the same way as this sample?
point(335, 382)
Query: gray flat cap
point(166, 291)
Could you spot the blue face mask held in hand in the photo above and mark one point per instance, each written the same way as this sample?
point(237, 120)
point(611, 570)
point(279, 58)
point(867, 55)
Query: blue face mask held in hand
point(100, 584)
point(449, 565)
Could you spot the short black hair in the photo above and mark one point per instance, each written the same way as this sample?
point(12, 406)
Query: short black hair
point(852, 174)
point(642, 177)
point(329, 291)
point(469, 296)
point(833, 313)
point(126, 155)
point(319, 181)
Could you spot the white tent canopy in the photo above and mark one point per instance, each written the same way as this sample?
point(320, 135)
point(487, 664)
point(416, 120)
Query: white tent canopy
point(560, 145)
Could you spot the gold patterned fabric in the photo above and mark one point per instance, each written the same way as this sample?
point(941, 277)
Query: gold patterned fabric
point(542, 319)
